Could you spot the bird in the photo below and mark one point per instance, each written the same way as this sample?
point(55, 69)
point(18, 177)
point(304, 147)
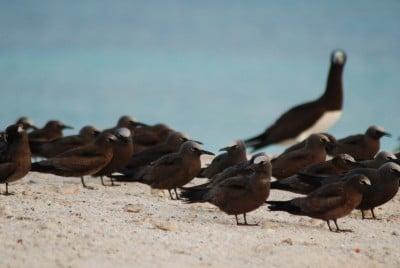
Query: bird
point(385, 185)
point(175, 169)
point(380, 159)
point(289, 163)
point(81, 161)
point(122, 153)
point(239, 194)
point(26, 123)
point(234, 154)
point(86, 135)
point(360, 146)
point(51, 131)
point(338, 165)
point(150, 135)
point(298, 145)
point(140, 160)
point(16, 159)
point(329, 202)
point(315, 116)
point(128, 122)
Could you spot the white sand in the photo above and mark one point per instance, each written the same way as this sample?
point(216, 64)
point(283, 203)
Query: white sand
point(54, 222)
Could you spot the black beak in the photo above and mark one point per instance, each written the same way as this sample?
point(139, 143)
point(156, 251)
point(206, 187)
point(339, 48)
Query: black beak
point(224, 149)
point(385, 134)
point(206, 152)
point(198, 142)
point(140, 124)
point(67, 127)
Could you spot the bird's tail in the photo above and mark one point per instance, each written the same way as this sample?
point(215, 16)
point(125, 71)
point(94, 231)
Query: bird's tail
point(39, 167)
point(193, 195)
point(283, 206)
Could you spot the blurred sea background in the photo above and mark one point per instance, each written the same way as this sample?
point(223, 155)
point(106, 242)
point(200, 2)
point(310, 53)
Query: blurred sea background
point(216, 70)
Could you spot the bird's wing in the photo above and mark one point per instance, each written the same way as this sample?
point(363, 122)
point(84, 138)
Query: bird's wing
point(6, 169)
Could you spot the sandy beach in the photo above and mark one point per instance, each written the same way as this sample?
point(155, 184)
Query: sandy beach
point(53, 222)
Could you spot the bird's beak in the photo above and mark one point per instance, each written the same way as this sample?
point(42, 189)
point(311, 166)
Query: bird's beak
point(198, 142)
point(67, 127)
point(224, 149)
point(206, 152)
point(140, 124)
point(386, 134)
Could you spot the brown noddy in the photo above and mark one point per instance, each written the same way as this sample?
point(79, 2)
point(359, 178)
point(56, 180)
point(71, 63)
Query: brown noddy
point(239, 194)
point(329, 202)
point(82, 161)
point(16, 159)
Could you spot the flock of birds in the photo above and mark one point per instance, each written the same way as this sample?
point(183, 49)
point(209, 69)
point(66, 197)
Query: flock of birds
point(335, 175)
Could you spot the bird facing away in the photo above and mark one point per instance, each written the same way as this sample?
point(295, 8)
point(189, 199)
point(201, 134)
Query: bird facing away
point(86, 135)
point(296, 146)
point(51, 131)
point(26, 123)
point(290, 163)
point(312, 117)
point(239, 194)
point(385, 185)
point(82, 161)
point(16, 160)
point(150, 135)
point(235, 154)
point(140, 160)
point(360, 146)
point(122, 153)
point(128, 122)
point(329, 202)
point(336, 166)
point(175, 169)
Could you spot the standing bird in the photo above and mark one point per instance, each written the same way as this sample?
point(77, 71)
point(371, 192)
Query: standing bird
point(235, 154)
point(175, 169)
point(380, 159)
point(312, 117)
point(16, 159)
point(238, 194)
point(360, 146)
point(290, 163)
point(126, 121)
point(336, 166)
point(82, 161)
point(26, 123)
point(51, 131)
point(327, 203)
point(139, 160)
point(86, 135)
point(122, 153)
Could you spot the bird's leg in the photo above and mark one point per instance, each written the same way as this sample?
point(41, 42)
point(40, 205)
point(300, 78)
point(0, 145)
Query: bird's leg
point(237, 222)
point(329, 225)
point(373, 214)
point(7, 192)
point(85, 186)
point(114, 184)
point(245, 221)
point(338, 230)
point(170, 194)
point(362, 214)
point(176, 194)
point(102, 181)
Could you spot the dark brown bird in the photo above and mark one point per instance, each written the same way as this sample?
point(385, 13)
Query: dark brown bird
point(51, 131)
point(26, 123)
point(240, 169)
point(140, 160)
point(82, 161)
point(312, 117)
point(385, 185)
point(150, 135)
point(290, 163)
point(361, 146)
point(16, 159)
point(296, 146)
point(329, 202)
point(380, 159)
point(239, 194)
point(175, 169)
point(338, 165)
point(128, 122)
point(122, 153)
point(86, 135)
point(235, 154)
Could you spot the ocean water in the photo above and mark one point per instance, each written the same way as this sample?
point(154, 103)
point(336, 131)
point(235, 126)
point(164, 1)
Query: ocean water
point(216, 70)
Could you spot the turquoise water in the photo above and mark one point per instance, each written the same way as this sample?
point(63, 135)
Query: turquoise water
point(217, 70)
